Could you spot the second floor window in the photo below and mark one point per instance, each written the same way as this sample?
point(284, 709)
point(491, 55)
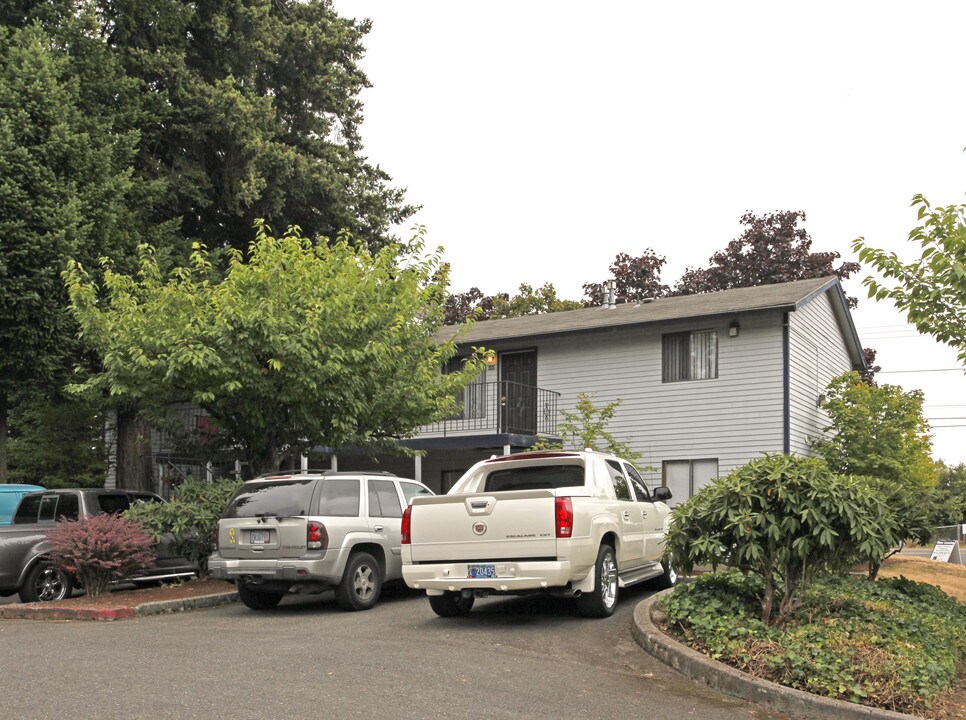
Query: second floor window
point(689, 356)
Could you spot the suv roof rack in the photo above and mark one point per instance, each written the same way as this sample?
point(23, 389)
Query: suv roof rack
point(292, 473)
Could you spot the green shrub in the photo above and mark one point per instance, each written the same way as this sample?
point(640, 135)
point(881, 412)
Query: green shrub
point(784, 518)
point(191, 516)
point(100, 549)
point(894, 644)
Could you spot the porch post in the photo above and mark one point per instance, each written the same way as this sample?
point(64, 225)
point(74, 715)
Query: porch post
point(304, 462)
point(335, 463)
point(419, 468)
point(506, 449)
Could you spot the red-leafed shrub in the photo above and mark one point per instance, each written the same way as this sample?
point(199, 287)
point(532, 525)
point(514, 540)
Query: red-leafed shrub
point(100, 549)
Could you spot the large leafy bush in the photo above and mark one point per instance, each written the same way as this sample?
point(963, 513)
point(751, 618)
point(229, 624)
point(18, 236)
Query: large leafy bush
point(100, 549)
point(191, 516)
point(784, 518)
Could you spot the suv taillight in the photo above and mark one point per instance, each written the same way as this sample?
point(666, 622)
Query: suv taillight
point(406, 526)
point(316, 537)
point(214, 539)
point(565, 517)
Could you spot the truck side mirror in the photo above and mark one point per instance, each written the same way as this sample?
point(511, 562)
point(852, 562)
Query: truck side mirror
point(661, 494)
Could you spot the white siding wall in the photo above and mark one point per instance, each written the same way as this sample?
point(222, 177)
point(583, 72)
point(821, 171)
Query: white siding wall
point(732, 418)
point(818, 353)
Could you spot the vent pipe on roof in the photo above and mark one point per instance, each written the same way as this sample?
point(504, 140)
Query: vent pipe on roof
point(610, 293)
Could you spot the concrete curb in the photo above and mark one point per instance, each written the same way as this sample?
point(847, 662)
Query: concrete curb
point(36, 611)
point(726, 679)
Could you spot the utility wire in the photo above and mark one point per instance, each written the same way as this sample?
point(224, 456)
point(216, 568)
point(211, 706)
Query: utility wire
point(925, 370)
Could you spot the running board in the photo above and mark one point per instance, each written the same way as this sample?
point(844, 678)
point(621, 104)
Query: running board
point(637, 575)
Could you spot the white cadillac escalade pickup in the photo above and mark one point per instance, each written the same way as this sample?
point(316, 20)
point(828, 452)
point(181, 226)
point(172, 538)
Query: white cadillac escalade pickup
point(579, 524)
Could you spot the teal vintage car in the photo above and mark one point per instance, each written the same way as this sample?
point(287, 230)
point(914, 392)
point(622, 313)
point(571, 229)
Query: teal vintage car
point(10, 497)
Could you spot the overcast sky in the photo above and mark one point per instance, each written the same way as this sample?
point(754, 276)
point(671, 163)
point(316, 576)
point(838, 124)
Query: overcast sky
point(543, 138)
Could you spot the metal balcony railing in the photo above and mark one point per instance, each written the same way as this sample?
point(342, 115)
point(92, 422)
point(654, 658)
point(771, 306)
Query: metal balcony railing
point(501, 407)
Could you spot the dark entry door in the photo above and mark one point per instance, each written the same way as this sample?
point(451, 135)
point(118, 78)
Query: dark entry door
point(518, 392)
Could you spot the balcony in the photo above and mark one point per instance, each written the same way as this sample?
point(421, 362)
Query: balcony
point(500, 407)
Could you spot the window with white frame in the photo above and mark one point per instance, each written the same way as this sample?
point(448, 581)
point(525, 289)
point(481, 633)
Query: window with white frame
point(685, 477)
point(689, 356)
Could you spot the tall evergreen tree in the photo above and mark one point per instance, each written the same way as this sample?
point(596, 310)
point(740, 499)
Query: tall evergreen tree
point(165, 122)
point(64, 192)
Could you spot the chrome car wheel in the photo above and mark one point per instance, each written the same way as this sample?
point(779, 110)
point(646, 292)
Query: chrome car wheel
point(608, 581)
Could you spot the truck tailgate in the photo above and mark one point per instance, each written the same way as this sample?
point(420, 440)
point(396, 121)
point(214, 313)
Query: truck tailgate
point(484, 526)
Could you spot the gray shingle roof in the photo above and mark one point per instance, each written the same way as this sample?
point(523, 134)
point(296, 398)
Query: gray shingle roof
point(763, 297)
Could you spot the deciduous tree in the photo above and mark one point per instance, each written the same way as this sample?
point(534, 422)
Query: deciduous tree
point(587, 427)
point(931, 290)
point(879, 432)
point(299, 345)
point(950, 496)
point(636, 278)
point(528, 301)
point(773, 248)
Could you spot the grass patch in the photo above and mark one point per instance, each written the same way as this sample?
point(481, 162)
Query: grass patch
point(894, 643)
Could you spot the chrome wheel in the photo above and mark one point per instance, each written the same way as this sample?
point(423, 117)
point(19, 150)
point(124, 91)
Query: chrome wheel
point(608, 581)
point(603, 600)
point(51, 585)
point(45, 584)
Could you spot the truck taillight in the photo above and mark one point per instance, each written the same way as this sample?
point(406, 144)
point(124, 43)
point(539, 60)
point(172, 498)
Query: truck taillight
point(406, 525)
point(565, 517)
point(316, 537)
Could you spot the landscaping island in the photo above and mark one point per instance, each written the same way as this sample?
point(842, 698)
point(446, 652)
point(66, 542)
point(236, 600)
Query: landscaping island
point(894, 644)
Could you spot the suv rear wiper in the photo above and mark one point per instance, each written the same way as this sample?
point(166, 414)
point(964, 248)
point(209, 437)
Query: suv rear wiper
point(262, 517)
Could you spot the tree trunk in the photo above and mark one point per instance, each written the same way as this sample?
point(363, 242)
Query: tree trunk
point(131, 450)
point(767, 600)
point(3, 436)
point(874, 570)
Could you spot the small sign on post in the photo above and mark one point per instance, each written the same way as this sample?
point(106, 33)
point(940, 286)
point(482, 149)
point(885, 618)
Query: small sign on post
point(947, 551)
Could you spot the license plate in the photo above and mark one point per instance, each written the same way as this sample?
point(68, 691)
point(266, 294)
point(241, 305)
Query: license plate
point(481, 571)
point(258, 537)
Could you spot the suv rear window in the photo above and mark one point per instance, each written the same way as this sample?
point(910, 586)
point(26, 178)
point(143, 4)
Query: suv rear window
point(543, 477)
point(278, 497)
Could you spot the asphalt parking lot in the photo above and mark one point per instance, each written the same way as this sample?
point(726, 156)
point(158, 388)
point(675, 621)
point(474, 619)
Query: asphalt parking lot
point(511, 658)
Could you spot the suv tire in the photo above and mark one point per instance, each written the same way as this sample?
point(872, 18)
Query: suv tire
point(258, 599)
point(603, 600)
point(361, 583)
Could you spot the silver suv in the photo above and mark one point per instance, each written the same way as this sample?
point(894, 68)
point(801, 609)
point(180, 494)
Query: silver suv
point(308, 532)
